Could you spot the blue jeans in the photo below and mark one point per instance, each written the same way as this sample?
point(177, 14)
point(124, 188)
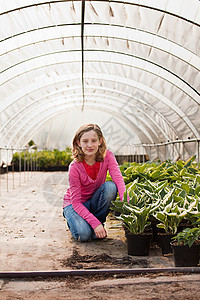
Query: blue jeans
point(98, 205)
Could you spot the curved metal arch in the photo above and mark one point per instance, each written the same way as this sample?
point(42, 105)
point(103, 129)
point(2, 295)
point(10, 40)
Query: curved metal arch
point(153, 8)
point(113, 37)
point(145, 114)
point(103, 105)
point(178, 56)
point(33, 117)
point(96, 88)
point(48, 115)
point(128, 3)
point(110, 1)
point(10, 99)
point(158, 96)
point(108, 25)
point(133, 113)
point(108, 51)
point(90, 23)
point(120, 93)
point(149, 71)
point(115, 63)
point(55, 112)
point(153, 63)
point(153, 93)
point(140, 42)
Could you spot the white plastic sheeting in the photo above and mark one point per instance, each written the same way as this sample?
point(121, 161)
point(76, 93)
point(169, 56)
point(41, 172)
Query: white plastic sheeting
point(141, 80)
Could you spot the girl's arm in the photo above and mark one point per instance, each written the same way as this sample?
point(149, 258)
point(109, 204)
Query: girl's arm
point(75, 190)
point(116, 175)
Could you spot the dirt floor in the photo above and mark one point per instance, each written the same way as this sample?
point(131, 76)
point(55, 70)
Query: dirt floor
point(34, 237)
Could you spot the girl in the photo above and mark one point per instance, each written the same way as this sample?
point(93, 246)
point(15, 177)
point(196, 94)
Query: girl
point(87, 200)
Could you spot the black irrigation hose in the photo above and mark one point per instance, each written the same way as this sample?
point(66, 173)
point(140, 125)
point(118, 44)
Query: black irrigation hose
point(86, 272)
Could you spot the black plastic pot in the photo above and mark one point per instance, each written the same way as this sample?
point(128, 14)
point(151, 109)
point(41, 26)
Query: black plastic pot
point(154, 231)
point(164, 240)
point(185, 256)
point(138, 244)
point(183, 225)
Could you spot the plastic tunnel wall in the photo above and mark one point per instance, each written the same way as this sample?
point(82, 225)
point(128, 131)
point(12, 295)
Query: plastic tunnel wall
point(130, 66)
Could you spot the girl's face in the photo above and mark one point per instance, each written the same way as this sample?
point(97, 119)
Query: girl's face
point(89, 143)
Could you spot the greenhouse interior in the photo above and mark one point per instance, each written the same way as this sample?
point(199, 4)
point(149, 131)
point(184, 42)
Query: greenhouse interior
point(132, 67)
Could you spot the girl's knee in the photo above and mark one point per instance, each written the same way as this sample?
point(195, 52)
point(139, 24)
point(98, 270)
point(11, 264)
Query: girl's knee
point(111, 188)
point(78, 227)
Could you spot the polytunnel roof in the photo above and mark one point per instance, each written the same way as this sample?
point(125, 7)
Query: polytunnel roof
point(131, 66)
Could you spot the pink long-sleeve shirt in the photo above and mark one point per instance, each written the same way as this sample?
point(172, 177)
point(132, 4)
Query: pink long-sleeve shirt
point(82, 187)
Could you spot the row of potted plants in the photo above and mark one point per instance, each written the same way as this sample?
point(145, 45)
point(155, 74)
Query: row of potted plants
point(161, 199)
point(44, 160)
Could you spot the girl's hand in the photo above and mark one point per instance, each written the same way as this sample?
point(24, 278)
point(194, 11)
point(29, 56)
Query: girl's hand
point(100, 232)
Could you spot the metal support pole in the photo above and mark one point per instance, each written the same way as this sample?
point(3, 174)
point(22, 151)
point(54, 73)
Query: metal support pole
point(165, 152)
point(20, 167)
point(136, 155)
point(24, 165)
point(179, 151)
point(157, 150)
point(1, 171)
point(130, 153)
point(198, 154)
point(7, 171)
point(34, 162)
point(13, 173)
point(35, 158)
point(28, 164)
point(150, 152)
point(31, 163)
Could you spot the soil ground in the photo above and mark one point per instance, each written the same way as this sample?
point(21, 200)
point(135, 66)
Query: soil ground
point(34, 237)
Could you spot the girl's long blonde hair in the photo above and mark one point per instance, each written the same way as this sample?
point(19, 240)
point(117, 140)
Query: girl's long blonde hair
point(77, 151)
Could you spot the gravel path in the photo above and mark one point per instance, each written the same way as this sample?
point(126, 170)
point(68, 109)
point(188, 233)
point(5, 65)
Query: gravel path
point(33, 232)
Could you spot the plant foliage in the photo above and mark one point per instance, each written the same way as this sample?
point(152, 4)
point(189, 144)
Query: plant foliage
point(43, 159)
point(188, 236)
point(168, 192)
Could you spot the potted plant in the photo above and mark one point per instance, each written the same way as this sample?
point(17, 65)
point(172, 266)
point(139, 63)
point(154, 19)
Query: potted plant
point(135, 212)
point(170, 218)
point(137, 225)
point(138, 241)
point(186, 247)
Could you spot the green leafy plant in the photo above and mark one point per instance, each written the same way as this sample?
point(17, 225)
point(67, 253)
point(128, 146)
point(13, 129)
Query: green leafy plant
point(172, 190)
point(153, 171)
point(135, 217)
point(188, 236)
point(170, 214)
point(169, 221)
point(137, 220)
point(44, 159)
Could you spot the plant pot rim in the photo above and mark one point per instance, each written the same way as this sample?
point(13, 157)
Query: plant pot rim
point(175, 244)
point(165, 233)
point(144, 233)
